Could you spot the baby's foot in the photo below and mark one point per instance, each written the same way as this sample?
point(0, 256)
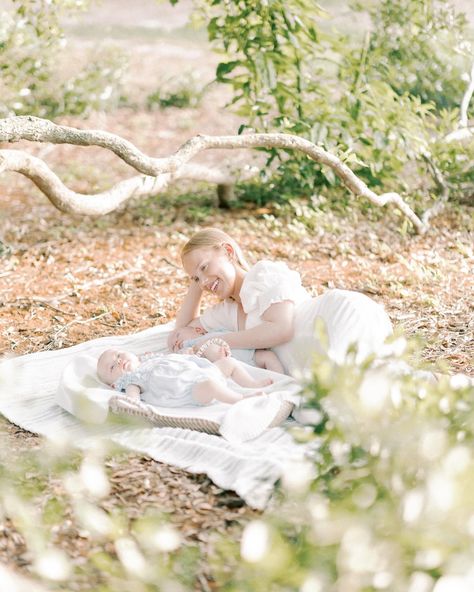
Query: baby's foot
point(265, 382)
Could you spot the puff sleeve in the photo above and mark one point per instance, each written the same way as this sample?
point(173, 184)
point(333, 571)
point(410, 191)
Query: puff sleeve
point(125, 380)
point(269, 282)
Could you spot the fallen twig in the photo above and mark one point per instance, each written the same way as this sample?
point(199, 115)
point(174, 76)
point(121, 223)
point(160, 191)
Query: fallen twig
point(92, 284)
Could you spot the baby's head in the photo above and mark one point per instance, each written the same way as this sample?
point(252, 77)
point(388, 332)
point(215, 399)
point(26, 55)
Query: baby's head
point(112, 363)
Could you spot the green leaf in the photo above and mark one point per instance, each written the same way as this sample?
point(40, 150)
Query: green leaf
point(226, 67)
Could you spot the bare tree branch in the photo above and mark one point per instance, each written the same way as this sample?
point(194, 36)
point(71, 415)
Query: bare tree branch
point(102, 203)
point(461, 134)
point(464, 131)
point(463, 119)
point(35, 129)
point(71, 202)
point(39, 130)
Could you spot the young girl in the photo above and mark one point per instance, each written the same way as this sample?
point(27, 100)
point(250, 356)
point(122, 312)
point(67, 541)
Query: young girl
point(176, 380)
point(266, 306)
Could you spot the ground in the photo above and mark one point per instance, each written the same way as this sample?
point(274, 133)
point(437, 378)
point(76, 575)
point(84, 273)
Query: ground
point(66, 279)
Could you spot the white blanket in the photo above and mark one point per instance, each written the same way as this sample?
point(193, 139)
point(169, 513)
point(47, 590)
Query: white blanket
point(29, 396)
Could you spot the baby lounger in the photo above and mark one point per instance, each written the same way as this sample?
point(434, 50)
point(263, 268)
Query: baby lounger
point(123, 406)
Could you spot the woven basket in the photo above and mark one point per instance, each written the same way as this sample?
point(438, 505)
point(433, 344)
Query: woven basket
point(120, 405)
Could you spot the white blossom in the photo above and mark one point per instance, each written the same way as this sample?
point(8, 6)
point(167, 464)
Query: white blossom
point(255, 541)
point(53, 564)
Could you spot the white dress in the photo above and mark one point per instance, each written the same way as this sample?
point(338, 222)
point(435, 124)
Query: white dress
point(167, 380)
point(349, 318)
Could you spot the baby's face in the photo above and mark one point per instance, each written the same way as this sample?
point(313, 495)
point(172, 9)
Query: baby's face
point(113, 363)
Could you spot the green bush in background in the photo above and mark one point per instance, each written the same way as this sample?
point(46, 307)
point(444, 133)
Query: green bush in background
point(419, 48)
point(183, 91)
point(374, 100)
point(31, 44)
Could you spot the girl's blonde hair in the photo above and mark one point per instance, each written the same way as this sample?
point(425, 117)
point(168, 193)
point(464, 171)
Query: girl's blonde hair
point(213, 238)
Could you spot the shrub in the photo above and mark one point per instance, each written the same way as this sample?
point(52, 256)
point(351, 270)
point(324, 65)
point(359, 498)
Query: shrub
point(31, 39)
point(371, 102)
point(181, 91)
point(419, 47)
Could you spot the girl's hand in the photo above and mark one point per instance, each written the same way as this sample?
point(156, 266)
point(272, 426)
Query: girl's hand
point(188, 312)
point(187, 351)
point(194, 290)
point(174, 343)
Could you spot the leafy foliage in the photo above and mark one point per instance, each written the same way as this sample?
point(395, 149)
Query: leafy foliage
point(382, 501)
point(374, 102)
point(31, 39)
point(383, 504)
point(420, 48)
point(180, 91)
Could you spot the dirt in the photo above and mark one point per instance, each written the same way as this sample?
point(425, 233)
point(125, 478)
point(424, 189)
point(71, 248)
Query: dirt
point(66, 279)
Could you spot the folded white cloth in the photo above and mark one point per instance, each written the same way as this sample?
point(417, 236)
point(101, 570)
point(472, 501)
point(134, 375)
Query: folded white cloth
point(29, 398)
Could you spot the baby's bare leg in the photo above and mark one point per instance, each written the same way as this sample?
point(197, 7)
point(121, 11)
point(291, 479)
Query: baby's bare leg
point(231, 368)
point(265, 358)
point(204, 392)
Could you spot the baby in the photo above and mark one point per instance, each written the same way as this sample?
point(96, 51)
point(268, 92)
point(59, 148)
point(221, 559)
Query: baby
point(176, 380)
point(190, 336)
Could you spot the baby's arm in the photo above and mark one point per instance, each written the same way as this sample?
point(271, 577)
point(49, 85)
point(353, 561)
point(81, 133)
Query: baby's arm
point(265, 358)
point(133, 392)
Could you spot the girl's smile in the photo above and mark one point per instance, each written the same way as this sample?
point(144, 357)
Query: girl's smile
point(215, 271)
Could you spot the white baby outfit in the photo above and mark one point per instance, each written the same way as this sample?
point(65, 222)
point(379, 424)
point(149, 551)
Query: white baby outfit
point(166, 380)
point(348, 317)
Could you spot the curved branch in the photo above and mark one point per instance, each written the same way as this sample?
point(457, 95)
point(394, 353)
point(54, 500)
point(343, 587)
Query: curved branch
point(461, 134)
point(99, 204)
point(77, 203)
point(35, 129)
point(464, 131)
point(463, 119)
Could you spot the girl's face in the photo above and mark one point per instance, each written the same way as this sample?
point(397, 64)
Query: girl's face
point(215, 271)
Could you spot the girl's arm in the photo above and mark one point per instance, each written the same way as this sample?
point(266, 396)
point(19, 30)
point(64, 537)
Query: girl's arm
point(277, 327)
point(189, 309)
point(187, 315)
